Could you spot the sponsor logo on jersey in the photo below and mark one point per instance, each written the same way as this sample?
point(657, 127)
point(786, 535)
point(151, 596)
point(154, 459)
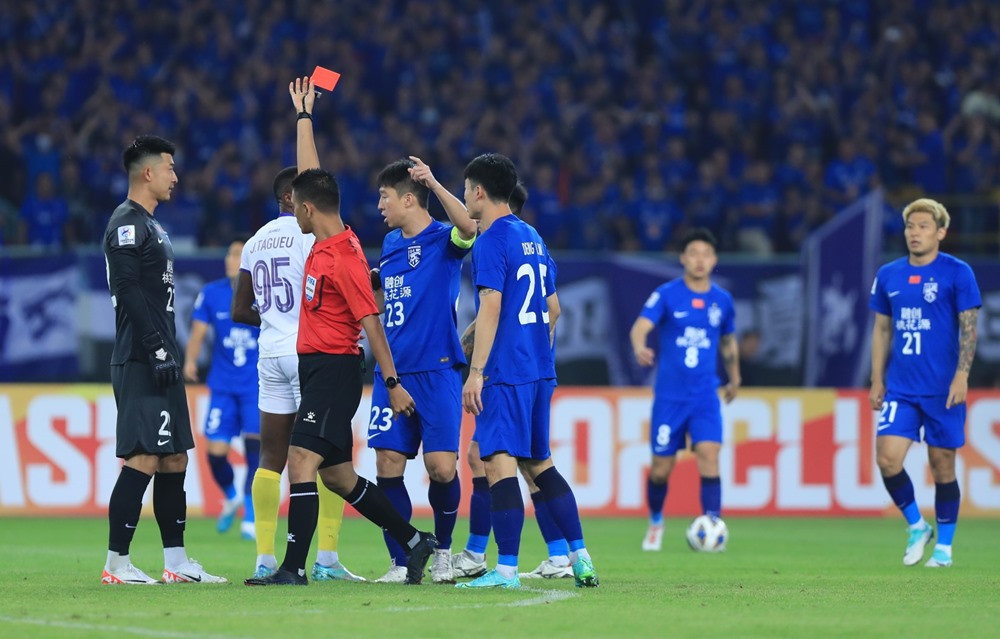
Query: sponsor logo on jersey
point(930, 291)
point(310, 287)
point(413, 255)
point(126, 235)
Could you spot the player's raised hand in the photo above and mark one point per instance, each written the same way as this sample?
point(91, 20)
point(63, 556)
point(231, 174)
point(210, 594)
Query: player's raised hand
point(401, 402)
point(472, 393)
point(958, 390)
point(876, 394)
point(303, 94)
point(644, 355)
point(421, 173)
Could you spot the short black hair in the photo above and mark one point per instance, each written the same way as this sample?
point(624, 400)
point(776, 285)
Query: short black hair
point(397, 176)
point(698, 235)
point(283, 182)
point(143, 147)
point(319, 187)
point(518, 198)
point(495, 173)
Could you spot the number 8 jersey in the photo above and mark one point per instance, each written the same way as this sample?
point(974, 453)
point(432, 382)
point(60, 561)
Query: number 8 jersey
point(511, 257)
point(275, 259)
point(923, 303)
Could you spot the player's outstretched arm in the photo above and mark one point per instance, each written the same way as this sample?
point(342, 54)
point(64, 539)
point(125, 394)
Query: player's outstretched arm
point(730, 350)
point(453, 207)
point(881, 339)
point(487, 321)
point(242, 309)
point(399, 399)
point(303, 97)
point(198, 331)
point(968, 334)
point(640, 331)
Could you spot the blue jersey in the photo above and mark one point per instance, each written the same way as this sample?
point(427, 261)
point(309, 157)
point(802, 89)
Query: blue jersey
point(420, 281)
point(234, 352)
point(923, 303)
point(511, 257)
point(690, 326)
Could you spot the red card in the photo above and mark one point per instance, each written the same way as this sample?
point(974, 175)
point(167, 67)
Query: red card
point(324, 78)
point(697, 302)
point(914, 279)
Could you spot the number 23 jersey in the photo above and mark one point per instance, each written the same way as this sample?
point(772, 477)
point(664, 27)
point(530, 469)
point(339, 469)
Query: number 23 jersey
point(690, 325)
point(923, 303)
point(275, 259)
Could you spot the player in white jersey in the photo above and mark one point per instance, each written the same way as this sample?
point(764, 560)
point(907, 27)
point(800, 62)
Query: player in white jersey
point(268, 294)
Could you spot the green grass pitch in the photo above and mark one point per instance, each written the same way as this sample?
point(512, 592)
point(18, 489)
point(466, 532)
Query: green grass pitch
point(778, 578)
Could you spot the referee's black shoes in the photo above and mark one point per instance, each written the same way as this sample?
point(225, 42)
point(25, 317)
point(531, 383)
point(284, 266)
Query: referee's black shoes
point(280, 577)
point(417, 561)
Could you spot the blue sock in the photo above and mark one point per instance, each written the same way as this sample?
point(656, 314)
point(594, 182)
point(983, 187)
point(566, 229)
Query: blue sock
point(562, 506)
point(550, 532)
point(507, 513)
point(901, 491)
point(395, 491)
point(656, 494)
point(947, 498)
point(444, 498)
point(711, 496)
point(222, 472)
point(479, 516)
point(251, 449)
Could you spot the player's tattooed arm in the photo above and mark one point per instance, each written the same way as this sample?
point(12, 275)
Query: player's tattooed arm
point(468, 340)
point(483, 292)
point(968, 333)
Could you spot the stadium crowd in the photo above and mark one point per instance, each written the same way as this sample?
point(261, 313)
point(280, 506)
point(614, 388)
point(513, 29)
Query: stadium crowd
point(631, 121)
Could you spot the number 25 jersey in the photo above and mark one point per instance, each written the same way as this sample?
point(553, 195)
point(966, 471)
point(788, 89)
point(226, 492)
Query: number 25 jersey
point(275, 258)
point(923, 303)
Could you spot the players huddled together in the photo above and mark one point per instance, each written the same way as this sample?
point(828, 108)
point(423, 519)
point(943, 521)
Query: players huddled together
point(286, 374)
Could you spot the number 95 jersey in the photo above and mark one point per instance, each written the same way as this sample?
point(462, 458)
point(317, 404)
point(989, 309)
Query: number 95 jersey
point(923, 303)
point(275, 259)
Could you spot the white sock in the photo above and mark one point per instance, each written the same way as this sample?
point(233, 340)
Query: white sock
point(920, 525)
point(480, 557)
point(267, 560)
point(559, 560)
point(508, 572)
point(116, 562)
point(577, 554)
point(174, 557)
point(327, 557)
point(945, 549)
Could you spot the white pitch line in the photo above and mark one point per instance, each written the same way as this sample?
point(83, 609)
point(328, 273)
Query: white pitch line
point(108, 628)
point(544, 597)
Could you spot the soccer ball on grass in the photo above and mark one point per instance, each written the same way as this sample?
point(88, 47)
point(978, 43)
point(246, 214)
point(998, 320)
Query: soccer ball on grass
point(707, 534)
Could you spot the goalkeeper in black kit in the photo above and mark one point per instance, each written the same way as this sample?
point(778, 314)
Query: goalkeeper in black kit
point(153, 430)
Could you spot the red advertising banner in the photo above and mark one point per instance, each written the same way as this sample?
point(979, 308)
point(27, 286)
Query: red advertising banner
point(786, 452)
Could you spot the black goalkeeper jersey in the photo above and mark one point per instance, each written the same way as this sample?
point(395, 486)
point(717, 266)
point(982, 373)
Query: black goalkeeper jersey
point(140, 267)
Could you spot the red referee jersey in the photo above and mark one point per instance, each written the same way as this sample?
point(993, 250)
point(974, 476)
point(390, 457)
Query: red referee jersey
point(336, 294)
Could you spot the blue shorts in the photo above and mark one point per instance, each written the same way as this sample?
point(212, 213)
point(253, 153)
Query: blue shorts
point(673, 420)
point(515, 420)
point(232, 414)
point(436, 422)
point(903, 416)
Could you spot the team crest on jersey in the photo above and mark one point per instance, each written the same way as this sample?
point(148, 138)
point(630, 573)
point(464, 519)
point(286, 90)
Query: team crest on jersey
point(310, 287)
point(930, 291)
point(413, 255)
point(714, 315)
point(126, 235)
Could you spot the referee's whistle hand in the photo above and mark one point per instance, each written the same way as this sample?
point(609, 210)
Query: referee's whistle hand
point(401, 402)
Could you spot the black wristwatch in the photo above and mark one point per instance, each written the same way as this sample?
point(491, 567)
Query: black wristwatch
point(391, 382)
